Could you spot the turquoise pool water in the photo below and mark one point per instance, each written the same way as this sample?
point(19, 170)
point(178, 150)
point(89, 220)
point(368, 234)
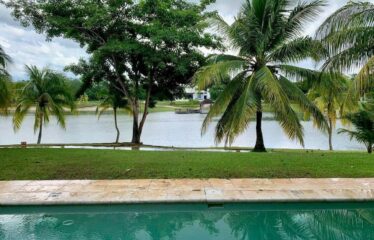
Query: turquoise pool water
point(327, 221)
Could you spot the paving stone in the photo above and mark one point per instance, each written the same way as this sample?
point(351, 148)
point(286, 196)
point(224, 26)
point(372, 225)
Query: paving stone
point(184, 190)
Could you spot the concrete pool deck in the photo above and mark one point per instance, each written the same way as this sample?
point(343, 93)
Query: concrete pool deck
point(184, 191)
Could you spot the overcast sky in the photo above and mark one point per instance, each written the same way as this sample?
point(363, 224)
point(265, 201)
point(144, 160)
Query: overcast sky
point(26, 47)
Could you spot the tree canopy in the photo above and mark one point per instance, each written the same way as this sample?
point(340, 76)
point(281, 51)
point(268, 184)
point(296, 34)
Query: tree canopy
point(147, 46)
point(268, 36)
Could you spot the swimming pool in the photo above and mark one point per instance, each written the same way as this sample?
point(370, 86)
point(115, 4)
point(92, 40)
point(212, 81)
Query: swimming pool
point(328, 221)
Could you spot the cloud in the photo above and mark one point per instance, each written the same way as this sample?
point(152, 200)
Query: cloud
point(26, 47)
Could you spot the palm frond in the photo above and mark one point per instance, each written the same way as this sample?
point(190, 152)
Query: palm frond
point(296, 95)
point(303, 13)
point(298, 49)
point(342, 18)
point(5, 94)
point(238, 115)
point(48, 92)
point(272, 91)
point(4, 59)
point(350, 58)
point(224, 99)
point(220, 26)
point(364, 80)
point(300, 74)
point(217, 70)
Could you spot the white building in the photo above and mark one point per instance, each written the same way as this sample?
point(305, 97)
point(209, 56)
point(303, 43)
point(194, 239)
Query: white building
point(195, 94)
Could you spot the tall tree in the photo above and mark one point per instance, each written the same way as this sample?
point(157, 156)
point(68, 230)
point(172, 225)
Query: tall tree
point(48, 93)
point(5, 87)
point(349, 36)
point(148, 45)
point(329, 95)
point(267, 35)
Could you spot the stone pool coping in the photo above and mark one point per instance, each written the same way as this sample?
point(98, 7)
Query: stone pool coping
point(67, 192)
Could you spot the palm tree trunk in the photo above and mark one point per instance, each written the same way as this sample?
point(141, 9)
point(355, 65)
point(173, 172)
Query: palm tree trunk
point(40, 128)
point(260, 146)
point(330, 134)
point(116, 124)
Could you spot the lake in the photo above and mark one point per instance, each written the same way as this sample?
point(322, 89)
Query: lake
point(167, 129)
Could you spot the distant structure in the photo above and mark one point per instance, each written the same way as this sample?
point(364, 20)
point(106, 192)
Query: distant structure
point(205, 106)
point(195, 94)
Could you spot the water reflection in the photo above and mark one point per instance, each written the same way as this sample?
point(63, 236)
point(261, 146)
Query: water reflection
point(167, 129)
point(335, 224)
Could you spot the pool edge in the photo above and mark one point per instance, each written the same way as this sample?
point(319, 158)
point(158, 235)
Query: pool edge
point(159, 191)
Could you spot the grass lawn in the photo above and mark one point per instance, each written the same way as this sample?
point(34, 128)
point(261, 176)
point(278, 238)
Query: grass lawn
point(32, 164)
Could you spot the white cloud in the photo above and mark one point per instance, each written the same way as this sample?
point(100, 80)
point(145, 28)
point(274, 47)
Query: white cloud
point(26, 47)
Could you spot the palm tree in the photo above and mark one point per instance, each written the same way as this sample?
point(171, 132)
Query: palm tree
point(363, 121)
point(48, 92)
point(266, 34)
point(329, 95)
point(115, 101)
point(5, 91)
point(349, 35)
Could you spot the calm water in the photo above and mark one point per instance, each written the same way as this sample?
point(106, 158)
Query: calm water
point(186, 222)
point(168, 129)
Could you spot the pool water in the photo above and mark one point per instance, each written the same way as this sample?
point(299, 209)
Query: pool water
point(327, 221)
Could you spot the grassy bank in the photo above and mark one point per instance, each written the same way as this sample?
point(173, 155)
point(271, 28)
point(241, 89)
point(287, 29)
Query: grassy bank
point(34, 164)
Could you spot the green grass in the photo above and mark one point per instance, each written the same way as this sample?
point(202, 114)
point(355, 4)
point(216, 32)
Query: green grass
point(32, 164)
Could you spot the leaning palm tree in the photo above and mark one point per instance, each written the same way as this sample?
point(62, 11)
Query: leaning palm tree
point(363, 121)
point(266, 34)
point(329, 95)
point(114, 101)
point(5, 92)
point(349, 35)
point(48, 92)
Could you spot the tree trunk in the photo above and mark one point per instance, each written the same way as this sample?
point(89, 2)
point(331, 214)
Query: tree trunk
point(135, 129)
point(330, 134)
point(138, 127)
point(370, 148)
point(116, 124)
point(40, 129)
point(260, 146)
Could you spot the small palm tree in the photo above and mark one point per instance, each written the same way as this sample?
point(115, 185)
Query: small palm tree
point(115, 101)
point(363, 121)
point(329, 95)
point(48, 92)
point(349, 35)
point(267, 35)
point(5, 86)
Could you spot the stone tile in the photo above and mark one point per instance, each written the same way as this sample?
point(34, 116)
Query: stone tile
point(23, 198)
point(251, 184)
point(184, 190)
point(186, 195)
point(222, 184)
point(48, 183)
point(221, 195)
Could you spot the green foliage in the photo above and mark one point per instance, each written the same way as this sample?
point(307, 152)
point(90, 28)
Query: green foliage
point(5, 84)
point(268, 36)
point(48, 93)
point(363, 121)
point(113, 100)
point(348, 34)
point(149, 48)
point(331, 95)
